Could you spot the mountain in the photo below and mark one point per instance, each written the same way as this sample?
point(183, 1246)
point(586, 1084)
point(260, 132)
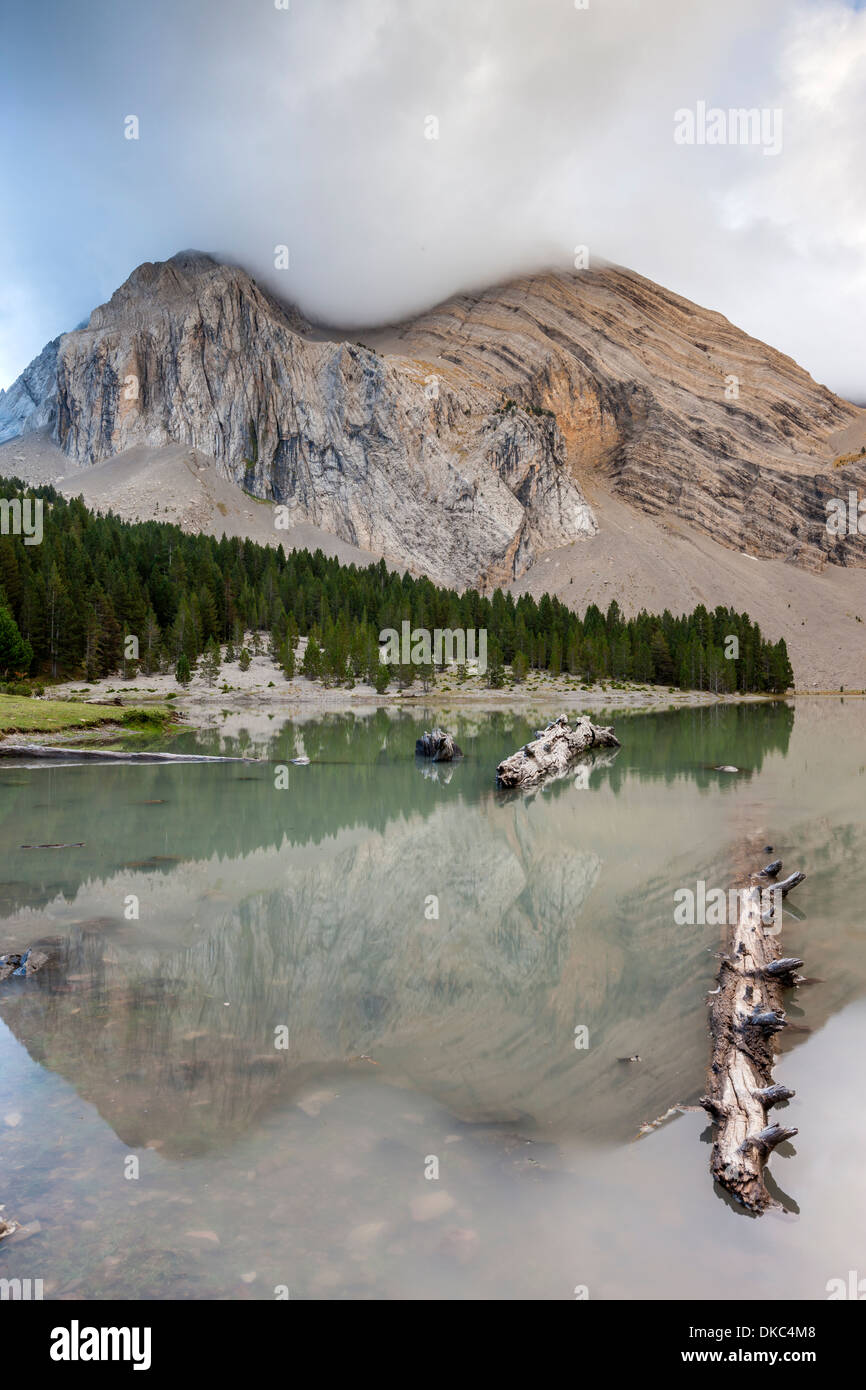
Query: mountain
point(352, 441)
point(31, 401)
point(461, 444)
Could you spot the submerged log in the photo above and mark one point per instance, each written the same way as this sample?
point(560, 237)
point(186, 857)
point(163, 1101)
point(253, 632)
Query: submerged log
point(746, 1015)
point(107, 755)
point(22, 964)
point(552, 752)
point(788, 883)
point(438, 745)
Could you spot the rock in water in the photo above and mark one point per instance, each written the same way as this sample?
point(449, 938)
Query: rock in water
point(437, 745)
point(552, 752)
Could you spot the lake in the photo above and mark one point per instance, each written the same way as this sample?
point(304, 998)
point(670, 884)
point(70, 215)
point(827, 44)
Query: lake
point(326, 1038)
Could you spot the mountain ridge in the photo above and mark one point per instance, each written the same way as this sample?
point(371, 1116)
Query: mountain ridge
point(461, 441)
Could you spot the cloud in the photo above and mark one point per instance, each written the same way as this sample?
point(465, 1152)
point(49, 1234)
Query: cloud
point(309, 127)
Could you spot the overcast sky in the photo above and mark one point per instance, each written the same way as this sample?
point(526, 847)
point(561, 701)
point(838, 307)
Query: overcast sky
point(308, 127)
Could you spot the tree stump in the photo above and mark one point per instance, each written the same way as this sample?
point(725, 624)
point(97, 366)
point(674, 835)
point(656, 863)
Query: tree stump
point(438, 745)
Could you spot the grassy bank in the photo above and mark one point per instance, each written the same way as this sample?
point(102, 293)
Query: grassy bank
point(19, 715)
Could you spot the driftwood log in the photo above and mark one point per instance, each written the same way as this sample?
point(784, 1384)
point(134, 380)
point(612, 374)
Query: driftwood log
point(746, 1015)
point(106, 755)
point(552, 751)
point(438, 745)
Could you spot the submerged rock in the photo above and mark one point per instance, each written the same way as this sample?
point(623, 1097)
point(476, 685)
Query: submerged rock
point(438, 745)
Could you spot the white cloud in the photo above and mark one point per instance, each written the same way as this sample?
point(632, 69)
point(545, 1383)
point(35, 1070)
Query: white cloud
point(306, 127)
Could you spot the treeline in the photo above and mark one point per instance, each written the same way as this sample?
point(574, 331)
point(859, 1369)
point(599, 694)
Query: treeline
point(69, 606)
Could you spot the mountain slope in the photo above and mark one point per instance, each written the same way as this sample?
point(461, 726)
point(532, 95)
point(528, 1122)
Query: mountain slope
point(658, 562)
point(680, 410)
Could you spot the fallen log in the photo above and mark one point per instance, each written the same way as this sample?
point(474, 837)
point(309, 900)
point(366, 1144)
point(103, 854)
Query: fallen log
point(107, 755)
point(746, 1014)
point(552, 751)
point(437, 745)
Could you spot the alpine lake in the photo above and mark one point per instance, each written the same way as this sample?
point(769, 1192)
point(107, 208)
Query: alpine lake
point(353, 1030)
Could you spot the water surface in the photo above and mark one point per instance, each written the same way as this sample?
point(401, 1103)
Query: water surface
point(427, 949)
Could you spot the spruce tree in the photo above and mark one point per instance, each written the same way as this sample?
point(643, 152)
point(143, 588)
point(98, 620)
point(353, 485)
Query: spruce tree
point(211, 662)
point(311, 666)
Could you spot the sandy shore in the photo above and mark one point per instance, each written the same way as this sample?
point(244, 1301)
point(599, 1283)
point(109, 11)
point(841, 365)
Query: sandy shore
point(263, 691)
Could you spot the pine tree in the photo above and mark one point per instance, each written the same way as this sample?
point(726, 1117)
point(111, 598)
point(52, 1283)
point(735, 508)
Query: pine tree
point(495, 668)
point(287, 659)
point(311, 666)
point(781, 672)
point(16, 654)
point(663, 666)
point(210, 666)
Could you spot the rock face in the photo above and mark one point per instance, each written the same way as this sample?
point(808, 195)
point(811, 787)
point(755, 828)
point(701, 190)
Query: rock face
point(457, 444)
point(680, 411)
point(31, 401)
point(353, 442)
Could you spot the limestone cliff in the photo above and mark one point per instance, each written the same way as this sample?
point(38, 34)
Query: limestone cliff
point(362, 445)
point(682, 412)
point(31, 401)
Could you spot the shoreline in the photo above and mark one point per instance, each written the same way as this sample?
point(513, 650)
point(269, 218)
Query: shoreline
point(263, 692)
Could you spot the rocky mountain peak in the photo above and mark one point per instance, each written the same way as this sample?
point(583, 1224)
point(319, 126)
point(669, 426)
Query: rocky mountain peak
point(176, 286)
point(458, 443)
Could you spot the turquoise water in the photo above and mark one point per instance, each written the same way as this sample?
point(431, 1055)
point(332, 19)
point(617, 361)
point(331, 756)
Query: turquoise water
point(275, 1009)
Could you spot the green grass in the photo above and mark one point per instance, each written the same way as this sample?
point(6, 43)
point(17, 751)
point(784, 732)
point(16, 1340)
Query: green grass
point(19, 715)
